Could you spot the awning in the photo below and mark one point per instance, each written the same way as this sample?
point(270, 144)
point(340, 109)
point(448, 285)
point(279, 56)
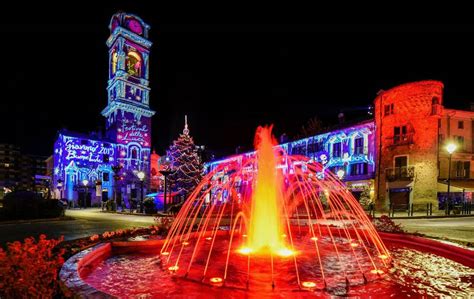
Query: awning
point(456, 186)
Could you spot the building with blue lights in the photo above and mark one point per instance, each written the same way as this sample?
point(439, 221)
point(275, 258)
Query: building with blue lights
point(83, 164)
point(349, 152)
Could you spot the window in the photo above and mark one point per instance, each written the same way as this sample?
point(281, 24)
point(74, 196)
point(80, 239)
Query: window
point(105, 158)
point(460, 142)
point(105, 177)
point(460, 124)
point(134, 64)
point(462, 169)
point(388, 109)
point(400, 134)
point(359, 169)
point(435, 101)
point(134, 153)
point(359, 146)
point(336, 149)
point(114, 62)
point(401, 161)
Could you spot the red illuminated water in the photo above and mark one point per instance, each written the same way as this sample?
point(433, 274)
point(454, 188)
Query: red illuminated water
point(413, 274)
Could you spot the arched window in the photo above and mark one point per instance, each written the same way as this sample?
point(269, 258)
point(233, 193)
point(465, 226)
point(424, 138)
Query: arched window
point(134, 153)
point(114, 62)
point(134, 64)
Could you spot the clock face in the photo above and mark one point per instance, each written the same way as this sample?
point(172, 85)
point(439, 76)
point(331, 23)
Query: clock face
point(135, 26)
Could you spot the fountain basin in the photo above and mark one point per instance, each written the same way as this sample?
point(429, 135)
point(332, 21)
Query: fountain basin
point(127, 269)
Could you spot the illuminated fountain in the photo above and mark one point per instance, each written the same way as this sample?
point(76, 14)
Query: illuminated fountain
point(275, 224)
point(282, 215)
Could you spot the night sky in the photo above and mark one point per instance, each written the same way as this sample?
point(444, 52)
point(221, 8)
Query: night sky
point(229, 74)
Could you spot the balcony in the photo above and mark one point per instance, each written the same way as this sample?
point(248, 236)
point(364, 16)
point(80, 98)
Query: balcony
point(406, 173)
point(403, 139)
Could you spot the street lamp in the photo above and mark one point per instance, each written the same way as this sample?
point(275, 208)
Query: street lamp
point(116, 169)
point(451, 148)
point(85, 183)
point(141, 177)
point(165, 173)
point(60, 188)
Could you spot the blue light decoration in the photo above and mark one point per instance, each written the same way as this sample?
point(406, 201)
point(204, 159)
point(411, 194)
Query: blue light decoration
point(348, 151)
point(78, 158)
point(128, 119)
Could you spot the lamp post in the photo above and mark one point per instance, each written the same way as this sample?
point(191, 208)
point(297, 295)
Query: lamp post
point(85, 183)
point(141, 177)
point(165, 173)
point(60, 188)
point(451, 148)
point(116, 169)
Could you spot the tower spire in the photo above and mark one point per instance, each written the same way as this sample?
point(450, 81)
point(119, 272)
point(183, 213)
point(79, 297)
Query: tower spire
point(186, 130)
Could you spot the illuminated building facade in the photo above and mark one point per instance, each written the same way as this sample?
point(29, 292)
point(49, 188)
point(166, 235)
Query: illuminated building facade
point(127, 141)
point(348, 152)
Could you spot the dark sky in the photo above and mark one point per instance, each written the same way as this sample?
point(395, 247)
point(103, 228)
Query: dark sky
point(228, 73)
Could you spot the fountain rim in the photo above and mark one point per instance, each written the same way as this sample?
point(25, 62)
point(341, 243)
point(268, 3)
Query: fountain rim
point(71, 269)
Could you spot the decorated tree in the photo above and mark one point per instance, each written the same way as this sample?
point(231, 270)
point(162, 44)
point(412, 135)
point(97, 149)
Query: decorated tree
point(186, 163)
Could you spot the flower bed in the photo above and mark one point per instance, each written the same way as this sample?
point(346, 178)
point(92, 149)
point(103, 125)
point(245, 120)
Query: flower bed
point(30, 269)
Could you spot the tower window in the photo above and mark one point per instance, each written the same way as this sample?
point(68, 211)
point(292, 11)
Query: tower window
point(460, 124)
point(105, 158)
point(105, 177)
point(134, 64)
point(114, 62)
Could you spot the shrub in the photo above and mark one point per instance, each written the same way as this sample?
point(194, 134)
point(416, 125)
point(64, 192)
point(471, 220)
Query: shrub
point(30, 205)
point(30, 269)
point(149, 205)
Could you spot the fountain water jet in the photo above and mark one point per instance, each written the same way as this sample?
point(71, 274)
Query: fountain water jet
point(286, 215)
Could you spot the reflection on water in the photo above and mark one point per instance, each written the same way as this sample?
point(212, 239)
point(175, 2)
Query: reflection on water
point(413, 274)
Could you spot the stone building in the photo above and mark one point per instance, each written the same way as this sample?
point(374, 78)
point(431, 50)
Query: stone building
point(406, 118)
point(457, 127)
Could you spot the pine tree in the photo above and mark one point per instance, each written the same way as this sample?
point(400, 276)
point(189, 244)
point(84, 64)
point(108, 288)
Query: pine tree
point(186, 163)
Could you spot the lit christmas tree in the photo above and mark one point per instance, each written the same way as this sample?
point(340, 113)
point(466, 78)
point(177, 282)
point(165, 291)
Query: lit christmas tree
point(186, 163)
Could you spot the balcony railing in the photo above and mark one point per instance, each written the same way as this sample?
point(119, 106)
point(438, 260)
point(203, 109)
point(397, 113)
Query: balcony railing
point(406, 173)
point(401, 139)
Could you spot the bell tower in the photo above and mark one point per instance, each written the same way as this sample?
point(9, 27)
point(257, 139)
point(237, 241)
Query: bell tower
point(128, 114)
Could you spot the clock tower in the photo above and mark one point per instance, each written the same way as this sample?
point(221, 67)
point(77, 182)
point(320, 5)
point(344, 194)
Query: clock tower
point(128, 114)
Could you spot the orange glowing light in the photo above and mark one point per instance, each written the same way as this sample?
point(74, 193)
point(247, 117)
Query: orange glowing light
point(245, 236)
point(265, 227)
point(244, 250)
point(308, 284)
point(173, 268)
point(283, 236)
point(185, 243)
point(383, 256)
point(354, 244)
point(376, 271)
point(215, 280)
point(165, 253)
point(314, 238)
point(285, 252)
point(209, 238)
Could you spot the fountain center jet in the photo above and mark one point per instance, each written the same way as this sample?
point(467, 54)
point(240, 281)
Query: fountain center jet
point(265, 232)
